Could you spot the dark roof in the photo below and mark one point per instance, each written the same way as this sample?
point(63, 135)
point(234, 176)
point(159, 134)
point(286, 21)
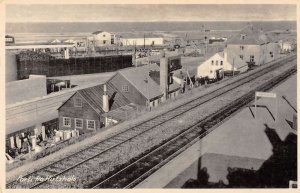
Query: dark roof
point(97, 32)
point(252, 36)
point(94, 96)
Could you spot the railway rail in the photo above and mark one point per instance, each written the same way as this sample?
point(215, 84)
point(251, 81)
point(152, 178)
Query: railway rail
point(82, 159)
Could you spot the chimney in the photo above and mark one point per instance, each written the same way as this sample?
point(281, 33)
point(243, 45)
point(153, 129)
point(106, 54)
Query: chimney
point(164, 76)
point(225, 55)
point(105, 100)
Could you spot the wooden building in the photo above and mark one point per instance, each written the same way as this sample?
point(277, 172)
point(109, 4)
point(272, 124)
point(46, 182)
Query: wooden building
point(83, 109)
point(145, 86)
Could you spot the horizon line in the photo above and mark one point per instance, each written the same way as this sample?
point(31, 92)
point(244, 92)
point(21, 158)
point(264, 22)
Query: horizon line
point(273, 20)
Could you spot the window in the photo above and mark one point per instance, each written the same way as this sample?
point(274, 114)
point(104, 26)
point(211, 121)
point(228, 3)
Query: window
point(241, 57)
point(125, 88)
point(78, 123)
point(211, 71)
point(242, 47)
point(271, 54)
point(104, 41)
point(103, 35)
point(221, 63)
point(91, 124)
point(251, 58)
point(67, 122)
point(77, 102)
point(243, 36)
point(212, 62)
point(217, 62)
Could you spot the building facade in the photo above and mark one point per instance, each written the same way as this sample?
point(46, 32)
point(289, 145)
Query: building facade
point(222, 63)
point(101, 38)
point(141, 41)
point(253, 46)
point(83, 110)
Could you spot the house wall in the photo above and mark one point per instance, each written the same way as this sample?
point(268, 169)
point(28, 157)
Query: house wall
point(255, 50)
point(86, 112)
point(133, 95)
point(275, 49)
point(140, 41)
point(207, 69)
point(101, 37)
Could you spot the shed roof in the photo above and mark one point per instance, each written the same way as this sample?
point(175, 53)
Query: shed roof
point(93, 96)
point(252, 36)
point(121, 113)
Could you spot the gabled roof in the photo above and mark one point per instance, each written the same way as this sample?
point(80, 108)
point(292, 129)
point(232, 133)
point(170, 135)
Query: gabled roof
point(148, 86)
point(231, 57)
point(55, 41)
point(94, 97)
point(140, 79)
point(252, 36)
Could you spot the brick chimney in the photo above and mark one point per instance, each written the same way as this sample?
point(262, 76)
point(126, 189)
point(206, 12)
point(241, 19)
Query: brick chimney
point(105, 100)
point(164, 75)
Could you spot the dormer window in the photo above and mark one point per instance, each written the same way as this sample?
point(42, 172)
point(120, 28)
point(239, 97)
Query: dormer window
point(77, 102)
point(125, 88)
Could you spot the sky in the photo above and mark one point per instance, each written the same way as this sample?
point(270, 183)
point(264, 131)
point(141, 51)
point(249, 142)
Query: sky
point(153, 12)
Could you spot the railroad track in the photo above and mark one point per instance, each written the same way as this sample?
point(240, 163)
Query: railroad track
point(142, 168)
point(95, 153)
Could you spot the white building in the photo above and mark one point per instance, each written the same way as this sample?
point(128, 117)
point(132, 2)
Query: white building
point(100, 38)
point(253, 46)
point(140, 40)
point(221, 62)
point(285, 46)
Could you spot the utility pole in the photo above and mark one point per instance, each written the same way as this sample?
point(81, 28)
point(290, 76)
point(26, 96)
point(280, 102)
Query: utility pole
point(233, 67)
point(144, 42)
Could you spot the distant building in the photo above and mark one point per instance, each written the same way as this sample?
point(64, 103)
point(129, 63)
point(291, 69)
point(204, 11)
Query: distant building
point(9, 40)
point(285, 46)
point(216, 40)
point(253, 46)
point(140, 40)
point(221, 62)
point(100, 38)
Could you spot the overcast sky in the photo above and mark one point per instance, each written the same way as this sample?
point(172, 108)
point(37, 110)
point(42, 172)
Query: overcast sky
point(106, 13)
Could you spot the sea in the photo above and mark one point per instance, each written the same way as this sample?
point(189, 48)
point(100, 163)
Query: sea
point(86, 27)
